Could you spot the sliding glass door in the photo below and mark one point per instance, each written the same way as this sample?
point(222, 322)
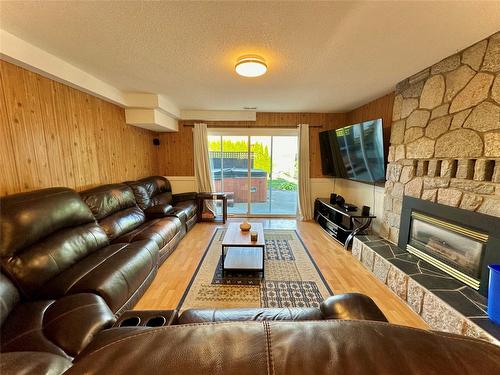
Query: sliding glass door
point(257, 172)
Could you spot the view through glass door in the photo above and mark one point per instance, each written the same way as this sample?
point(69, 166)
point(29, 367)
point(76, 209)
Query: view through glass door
point(257, 172)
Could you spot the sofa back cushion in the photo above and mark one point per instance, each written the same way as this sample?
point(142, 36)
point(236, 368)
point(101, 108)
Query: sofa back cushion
point(44, 232)
point(115, 208)
point(151, 191)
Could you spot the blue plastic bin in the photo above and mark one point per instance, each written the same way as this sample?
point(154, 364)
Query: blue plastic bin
point(494, 293)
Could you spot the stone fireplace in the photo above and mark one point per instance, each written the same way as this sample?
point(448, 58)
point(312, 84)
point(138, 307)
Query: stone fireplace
point(445, 152)
point(445, 136)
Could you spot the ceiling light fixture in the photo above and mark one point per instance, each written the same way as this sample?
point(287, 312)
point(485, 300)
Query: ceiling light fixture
point(250, 66)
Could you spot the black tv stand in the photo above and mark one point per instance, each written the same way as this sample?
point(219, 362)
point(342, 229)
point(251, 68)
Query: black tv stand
point(340, 223)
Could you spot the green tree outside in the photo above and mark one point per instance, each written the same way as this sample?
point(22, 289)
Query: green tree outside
point(262, 158)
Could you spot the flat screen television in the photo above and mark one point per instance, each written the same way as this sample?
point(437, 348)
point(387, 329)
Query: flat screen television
point(355, 152)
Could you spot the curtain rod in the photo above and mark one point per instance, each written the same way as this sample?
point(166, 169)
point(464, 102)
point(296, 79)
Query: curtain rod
point(250, 126)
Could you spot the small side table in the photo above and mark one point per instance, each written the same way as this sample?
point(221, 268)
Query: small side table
point(202, 197)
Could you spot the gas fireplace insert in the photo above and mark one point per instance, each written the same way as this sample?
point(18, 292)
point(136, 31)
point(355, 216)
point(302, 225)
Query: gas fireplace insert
point(461, 243)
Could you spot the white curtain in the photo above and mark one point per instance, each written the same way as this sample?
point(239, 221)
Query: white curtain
point(202, 171)
point(305, 200)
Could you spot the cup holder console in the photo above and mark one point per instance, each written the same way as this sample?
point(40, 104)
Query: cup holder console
point(157, 321)
point(133, 321)
point(147, 318)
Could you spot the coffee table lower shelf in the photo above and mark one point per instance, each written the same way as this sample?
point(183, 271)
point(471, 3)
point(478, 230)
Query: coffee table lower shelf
point(243, 259)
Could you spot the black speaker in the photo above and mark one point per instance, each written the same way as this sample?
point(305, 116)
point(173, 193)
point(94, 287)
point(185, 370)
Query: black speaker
point(365, 211)
point(156, 141)
point(333, 198)
point(340, 200)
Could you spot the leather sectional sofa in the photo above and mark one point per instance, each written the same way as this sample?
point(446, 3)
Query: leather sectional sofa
point(73, 263)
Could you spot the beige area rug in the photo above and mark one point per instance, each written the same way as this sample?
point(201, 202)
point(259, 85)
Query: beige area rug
point(291, 279)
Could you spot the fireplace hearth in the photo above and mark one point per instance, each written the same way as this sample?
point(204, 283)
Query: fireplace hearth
point(459, 242)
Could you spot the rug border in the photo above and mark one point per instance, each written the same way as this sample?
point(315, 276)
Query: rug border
point(186, 291)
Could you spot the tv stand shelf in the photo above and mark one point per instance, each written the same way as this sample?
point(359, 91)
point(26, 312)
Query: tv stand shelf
point(339, 223)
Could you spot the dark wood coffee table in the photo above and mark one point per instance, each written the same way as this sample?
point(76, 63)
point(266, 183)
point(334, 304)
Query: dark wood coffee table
point(239, 253)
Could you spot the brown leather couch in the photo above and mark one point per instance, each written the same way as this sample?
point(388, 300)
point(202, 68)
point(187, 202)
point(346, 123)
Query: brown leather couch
point(51, 246)
point(154, 196)
point(116, 210)
point(282, 347)
point(63, 284)
point(347, 334)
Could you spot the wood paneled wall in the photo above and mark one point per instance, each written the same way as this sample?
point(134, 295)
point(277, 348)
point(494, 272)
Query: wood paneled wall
point(176, 149)
point(54, 135)
point(378, 108)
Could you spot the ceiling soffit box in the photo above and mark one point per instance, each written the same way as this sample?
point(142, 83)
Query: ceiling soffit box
point(151, 119)
point(152, 101)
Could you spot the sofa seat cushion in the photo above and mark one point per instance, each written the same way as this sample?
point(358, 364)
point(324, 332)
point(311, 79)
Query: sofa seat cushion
point(63, 327)
point(114, 272)
point(161, 231)
point(159, 211)
point(189, 207)
point(191, 316)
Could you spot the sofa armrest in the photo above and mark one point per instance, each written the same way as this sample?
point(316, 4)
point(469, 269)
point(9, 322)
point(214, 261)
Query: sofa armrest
point(33, 363)
point(159, 211)
point(107, 337)
point(351, 306)
point(191, 316)
point(181, 197)
point(72, 321)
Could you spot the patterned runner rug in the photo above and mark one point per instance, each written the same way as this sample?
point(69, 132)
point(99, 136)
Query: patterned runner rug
point(292, 278)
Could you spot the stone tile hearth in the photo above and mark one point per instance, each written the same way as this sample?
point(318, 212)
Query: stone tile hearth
point(443, 302)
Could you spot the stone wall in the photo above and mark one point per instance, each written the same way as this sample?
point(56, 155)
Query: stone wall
point(445, 135)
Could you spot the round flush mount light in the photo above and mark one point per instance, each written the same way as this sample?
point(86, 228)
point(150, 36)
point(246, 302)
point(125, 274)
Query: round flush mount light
point(250, 66)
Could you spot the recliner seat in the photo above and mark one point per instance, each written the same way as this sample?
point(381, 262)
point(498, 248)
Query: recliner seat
point(47, 333)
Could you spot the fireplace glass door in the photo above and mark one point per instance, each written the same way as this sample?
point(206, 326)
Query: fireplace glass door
point(452, 248)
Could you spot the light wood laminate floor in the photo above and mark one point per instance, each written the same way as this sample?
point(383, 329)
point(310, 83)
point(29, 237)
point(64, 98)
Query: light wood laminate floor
point(342, 271)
